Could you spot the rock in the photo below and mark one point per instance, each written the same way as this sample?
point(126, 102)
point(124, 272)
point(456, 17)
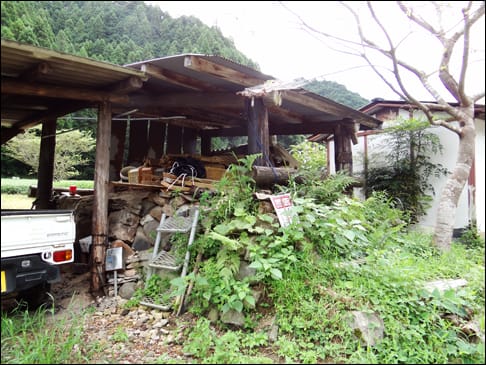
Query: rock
point(156, 212)
point(127, 250)
point(273, 332)
point(245, 271)
point(123, 225)
point(213, 315)
point(444, 284)
point(150, 227)
point(233, 317)
point(147, 205)
point(141, 241)
point(367, 327)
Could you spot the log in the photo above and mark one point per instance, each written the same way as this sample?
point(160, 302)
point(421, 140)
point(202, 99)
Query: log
point(266, 176)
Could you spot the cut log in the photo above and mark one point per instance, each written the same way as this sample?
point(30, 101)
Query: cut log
point(266, 176)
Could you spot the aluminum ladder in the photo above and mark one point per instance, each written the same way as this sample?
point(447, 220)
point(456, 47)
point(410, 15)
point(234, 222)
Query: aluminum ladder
point(187, 222)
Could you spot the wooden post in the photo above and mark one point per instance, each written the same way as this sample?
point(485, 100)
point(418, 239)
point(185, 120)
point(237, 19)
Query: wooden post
point(45, 171)
point(205, 145)
point(189, 142)
point(258, 134)
point(100, 203)
point(117, 148)
point(174, 140)
point(156, 139)
point(343, 154)
point(138, 142)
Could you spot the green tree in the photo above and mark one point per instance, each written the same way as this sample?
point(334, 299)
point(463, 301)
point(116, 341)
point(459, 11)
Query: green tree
point(406, 171)
point(71, 148)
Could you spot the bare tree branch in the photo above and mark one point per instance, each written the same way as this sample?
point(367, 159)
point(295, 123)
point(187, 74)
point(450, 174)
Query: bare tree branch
point(447, 125)
point(478, 96)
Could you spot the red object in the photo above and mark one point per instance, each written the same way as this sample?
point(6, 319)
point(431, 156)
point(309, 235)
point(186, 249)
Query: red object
point(72, 189)
point(61, 256)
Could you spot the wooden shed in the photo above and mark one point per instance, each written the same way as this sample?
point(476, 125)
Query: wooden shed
point(169, 105)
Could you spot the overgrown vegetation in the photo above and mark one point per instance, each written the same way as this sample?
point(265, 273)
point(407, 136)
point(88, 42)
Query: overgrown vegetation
point(30, 338)
point(334, 258)
point(72, 149)
point(338, 257)
point(403, 166)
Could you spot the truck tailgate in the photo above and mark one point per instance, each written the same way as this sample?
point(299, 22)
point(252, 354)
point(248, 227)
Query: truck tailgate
point(28, 232)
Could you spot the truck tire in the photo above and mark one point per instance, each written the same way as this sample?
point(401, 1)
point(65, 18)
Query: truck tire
point(35, 296)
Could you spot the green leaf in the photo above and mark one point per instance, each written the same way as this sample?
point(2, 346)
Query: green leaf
point(256, 265)
point(237, 305)
point(227, 242)
point(223, 229)
point(350, 235)
point(250, 300)
point(276, 274)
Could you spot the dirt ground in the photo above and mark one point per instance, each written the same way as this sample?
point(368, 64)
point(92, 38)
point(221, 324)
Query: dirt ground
point(125, 336)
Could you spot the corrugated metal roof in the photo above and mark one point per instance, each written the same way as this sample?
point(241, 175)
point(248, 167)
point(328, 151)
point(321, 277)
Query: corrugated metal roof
point(65, 69)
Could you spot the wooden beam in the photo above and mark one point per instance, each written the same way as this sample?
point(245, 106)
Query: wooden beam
point(174, 140)
point(343, 153)
point(45, 171)
point(205, 145)
point(138, 141)
point(200, 64)
point(100, 202)
point(329, 107)
point(189, 141)
point(212, 100)
point(126, 86)
point(172, 77)
point(34, 73)
point(156, 138)
point(117, 148)
point(258, 135)
point(60, 92)
point(289, 116)
point(9, 133)
point(59, 111)
point(305, 128)
point(284, 129)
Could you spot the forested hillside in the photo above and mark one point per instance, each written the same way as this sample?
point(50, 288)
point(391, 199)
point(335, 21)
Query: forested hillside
point(119, 32)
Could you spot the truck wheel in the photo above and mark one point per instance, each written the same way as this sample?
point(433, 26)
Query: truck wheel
point(35, 296)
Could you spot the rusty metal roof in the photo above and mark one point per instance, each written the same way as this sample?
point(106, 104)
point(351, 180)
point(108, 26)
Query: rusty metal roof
point(204, 92)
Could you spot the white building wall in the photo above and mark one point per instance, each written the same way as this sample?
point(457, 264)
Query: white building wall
point(480, 164)
point(450, 143)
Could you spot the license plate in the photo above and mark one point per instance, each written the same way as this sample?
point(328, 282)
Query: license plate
point(4, 282)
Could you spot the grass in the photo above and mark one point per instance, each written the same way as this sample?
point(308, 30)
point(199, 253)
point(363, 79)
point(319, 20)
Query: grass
point(30, 338)
point(16, 201)
point(21, 186)
point(15, 191)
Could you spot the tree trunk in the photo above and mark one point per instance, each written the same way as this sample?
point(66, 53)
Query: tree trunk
point(454, 186)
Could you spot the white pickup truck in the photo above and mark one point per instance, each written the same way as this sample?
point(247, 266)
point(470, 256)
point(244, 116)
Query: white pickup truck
point(34, 244)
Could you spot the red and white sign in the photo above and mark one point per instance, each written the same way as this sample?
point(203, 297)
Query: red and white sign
point(283, 206)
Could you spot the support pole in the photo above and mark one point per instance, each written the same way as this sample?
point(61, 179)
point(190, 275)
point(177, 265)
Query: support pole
point(45, 172)
point(100, 203)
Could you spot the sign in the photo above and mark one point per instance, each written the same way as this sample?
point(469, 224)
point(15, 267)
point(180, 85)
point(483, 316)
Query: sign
point(114, 258)
point(284, 208)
